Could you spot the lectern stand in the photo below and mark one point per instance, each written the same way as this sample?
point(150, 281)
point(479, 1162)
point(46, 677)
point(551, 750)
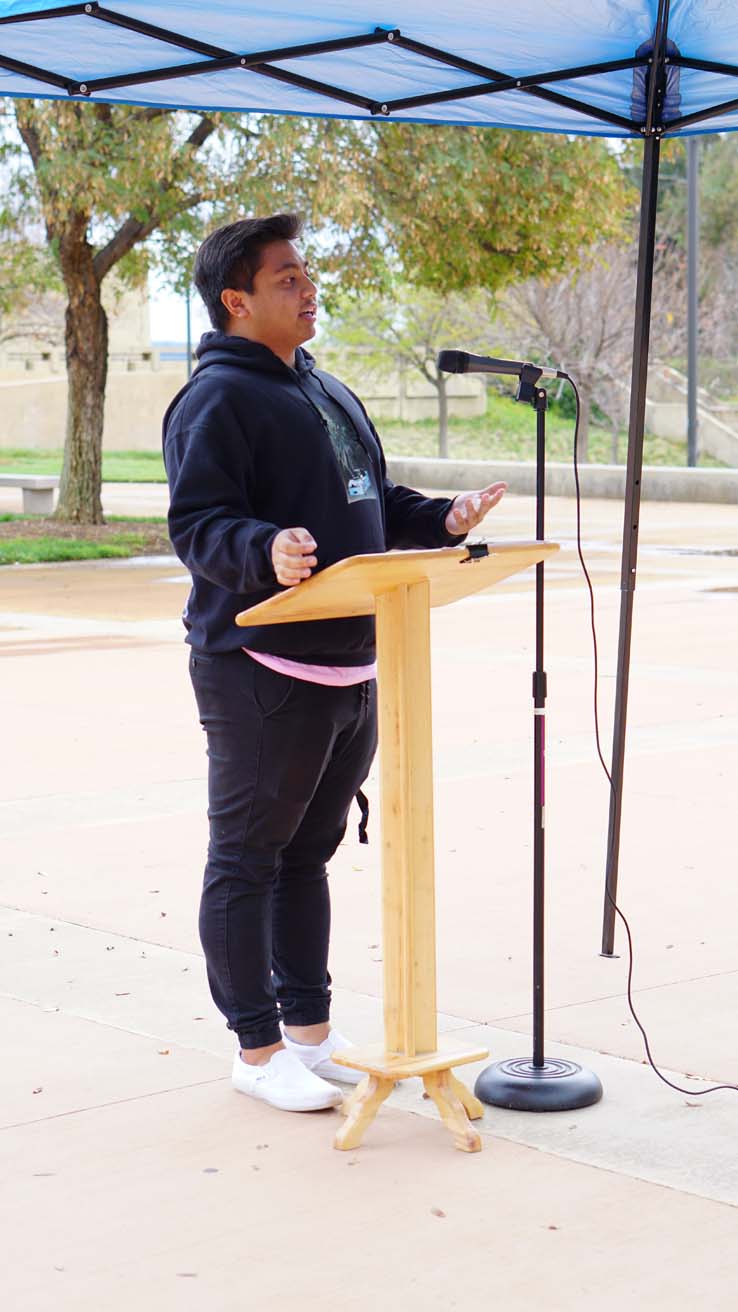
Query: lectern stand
point(399, 587)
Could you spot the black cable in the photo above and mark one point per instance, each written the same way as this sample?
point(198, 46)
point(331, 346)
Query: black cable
point(693, 1093)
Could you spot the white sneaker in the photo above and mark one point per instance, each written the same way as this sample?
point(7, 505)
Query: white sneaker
point(317, 1058)
point(284, 1082)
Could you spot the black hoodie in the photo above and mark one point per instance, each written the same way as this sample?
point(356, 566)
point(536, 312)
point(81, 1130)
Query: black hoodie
point(248, 452)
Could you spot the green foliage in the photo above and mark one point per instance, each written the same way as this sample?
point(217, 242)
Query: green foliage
point(26, 271)
point(718, 192)
point(452, 207)
point(474, 207)
point(124, 187)
point(116, 175)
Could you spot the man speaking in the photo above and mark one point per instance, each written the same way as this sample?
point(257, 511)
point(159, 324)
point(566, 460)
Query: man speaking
point(275, 470)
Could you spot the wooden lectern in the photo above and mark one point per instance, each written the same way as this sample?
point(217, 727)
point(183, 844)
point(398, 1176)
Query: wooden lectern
point(399, 587)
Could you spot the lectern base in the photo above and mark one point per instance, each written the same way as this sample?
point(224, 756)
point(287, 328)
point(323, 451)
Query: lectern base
point(556, 1086)
point(455, 1103)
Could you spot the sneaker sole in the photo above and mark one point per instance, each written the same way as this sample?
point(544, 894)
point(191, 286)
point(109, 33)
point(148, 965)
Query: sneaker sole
point(291, 1104)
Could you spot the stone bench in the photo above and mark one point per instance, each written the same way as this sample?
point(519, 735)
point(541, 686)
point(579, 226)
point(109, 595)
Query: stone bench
point(38, 491)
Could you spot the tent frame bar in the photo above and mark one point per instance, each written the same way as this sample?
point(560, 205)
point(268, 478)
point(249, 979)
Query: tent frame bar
point(497, 81)
point(703, 65)
point(215, 59)
point(701, 116)
point(38, 74)
point(253, 63)
point(64, 11)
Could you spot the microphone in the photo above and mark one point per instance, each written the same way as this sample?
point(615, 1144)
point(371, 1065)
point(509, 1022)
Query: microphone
point(460, 362)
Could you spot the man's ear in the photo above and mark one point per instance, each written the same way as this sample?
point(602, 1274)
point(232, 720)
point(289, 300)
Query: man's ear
point(236, 303)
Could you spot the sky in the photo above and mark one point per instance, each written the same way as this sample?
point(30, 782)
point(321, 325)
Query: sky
point(168, 316)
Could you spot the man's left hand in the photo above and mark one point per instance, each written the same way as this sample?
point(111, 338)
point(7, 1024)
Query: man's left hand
point(469, 508)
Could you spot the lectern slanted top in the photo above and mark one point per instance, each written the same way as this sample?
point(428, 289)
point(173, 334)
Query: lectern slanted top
point(399, 587)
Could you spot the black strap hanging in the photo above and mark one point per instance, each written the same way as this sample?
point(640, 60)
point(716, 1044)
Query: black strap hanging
point(363, 802)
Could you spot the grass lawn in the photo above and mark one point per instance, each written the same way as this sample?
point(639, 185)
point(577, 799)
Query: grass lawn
point(33, 539)
point(118, 466)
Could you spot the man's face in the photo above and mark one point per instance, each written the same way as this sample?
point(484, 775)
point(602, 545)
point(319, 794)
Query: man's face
point(282, 309)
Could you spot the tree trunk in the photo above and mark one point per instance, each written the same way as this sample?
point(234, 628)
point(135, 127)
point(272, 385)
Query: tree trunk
point(442, 417)
point(615, 444)
point(585, 408)
point(86, 342)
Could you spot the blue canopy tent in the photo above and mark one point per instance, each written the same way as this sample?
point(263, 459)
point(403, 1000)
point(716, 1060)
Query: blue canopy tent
point(623, 68)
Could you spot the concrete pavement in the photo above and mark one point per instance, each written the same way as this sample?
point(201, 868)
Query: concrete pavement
point(137, 1176)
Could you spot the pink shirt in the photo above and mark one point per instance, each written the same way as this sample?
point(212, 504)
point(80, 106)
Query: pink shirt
point(332, 676)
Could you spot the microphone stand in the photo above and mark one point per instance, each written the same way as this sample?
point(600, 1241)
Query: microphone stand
point(520, 1084)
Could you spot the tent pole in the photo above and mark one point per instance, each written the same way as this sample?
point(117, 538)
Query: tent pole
point(641, 334)
point(693, 256)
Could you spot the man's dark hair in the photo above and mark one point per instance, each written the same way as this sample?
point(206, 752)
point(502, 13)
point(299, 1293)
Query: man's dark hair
point(231, 257)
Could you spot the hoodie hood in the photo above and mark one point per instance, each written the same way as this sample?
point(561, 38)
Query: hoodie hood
point(216, 347)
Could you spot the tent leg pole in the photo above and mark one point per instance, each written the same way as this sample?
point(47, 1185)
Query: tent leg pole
point(641, 335)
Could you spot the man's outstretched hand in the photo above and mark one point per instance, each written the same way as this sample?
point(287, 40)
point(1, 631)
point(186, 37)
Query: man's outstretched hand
point(293, 549)
point(293, 556)
point(469, 508)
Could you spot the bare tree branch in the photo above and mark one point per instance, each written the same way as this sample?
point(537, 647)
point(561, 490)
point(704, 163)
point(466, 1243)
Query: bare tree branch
point(132, 230)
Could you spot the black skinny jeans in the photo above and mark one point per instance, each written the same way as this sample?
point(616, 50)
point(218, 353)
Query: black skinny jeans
point(286, 758)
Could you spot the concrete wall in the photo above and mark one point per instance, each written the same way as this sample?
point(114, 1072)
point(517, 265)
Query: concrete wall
point(666, 415)
point(33, 404)
point(129, 336)
point(659, 483)
point(33, 410)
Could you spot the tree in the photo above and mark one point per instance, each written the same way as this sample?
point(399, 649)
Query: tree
point(718, 245)
point(479, 208)
point(457, 210)
point(409, 327)
point(452, 208)
point(583, 323)
point(105, 181)
point(718, 192)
